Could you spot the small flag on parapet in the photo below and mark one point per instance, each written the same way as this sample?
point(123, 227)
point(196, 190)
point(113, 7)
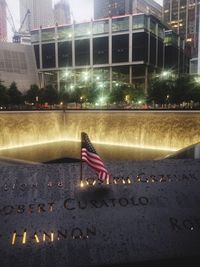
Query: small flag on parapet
point(90, 156)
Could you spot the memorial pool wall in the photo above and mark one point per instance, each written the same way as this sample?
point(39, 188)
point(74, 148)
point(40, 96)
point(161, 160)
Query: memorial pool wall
point(48, 219)
point(170, 130)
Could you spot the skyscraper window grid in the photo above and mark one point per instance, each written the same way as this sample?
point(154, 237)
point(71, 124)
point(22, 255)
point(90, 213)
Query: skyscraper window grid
point(183, 17)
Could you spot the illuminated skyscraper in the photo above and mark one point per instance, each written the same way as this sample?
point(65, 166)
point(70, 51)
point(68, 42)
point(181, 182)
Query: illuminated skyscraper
point(41, 13)
point(183, 17)
point(3, 22)
point(111, 8)
point(62, 13)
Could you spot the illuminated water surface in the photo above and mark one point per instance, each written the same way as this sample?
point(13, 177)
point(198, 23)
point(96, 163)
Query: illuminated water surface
point(45, 136)
point(71, 150)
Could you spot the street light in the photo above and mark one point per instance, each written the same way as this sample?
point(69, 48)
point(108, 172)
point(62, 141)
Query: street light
point(82, 100)
point(71, 87)
point(165, 74)
point(167, 100)
point(101, 85)
point(102, 100)
point(197, 80)
point(66, 74)
point(85, 76)
point(127, 97)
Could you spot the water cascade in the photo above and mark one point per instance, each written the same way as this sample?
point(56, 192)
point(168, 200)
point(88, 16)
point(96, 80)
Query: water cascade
point(147, 129)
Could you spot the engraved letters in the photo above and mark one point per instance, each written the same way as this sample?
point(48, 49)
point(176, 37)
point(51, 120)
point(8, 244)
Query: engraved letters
point(27, 237)
point(71, 204)
point(27, 208)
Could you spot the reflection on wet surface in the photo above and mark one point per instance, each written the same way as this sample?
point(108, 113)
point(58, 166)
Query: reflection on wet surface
point(71, 150)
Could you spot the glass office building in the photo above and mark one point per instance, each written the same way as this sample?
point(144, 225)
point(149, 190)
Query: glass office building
point(112, 8)
point(183, 18)
point(125, 49)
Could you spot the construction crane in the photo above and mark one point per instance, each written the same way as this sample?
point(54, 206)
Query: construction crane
point(18, 34)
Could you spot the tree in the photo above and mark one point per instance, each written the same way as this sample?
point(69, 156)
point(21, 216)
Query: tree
point(15, 96)
point(161, 90)
point(134, 93)
point(117, 95)
point(4, 98)
point(50, 95)
point(182, 90)
point(195, 89)
point(75, 95)
point(90, 92)
point(64, 96)
point(125, 92)
point(32, 95)
point(174, 90)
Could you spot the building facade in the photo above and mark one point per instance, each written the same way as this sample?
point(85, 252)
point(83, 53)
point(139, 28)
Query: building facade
point(147, 7)
point(128, 49)
point(62, 14)
point(112, 8)
point(41, 13)
point(3, 21)
point(183, 17)
point(17, 63)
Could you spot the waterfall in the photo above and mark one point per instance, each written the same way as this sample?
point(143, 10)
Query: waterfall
point(147, 129)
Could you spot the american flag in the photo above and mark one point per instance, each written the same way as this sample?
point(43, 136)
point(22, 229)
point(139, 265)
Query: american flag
point(89, 155)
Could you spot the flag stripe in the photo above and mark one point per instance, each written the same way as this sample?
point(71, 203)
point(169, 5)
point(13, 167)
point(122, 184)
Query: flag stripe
point(93, 160)
point(95, 166)
point(91, 154)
